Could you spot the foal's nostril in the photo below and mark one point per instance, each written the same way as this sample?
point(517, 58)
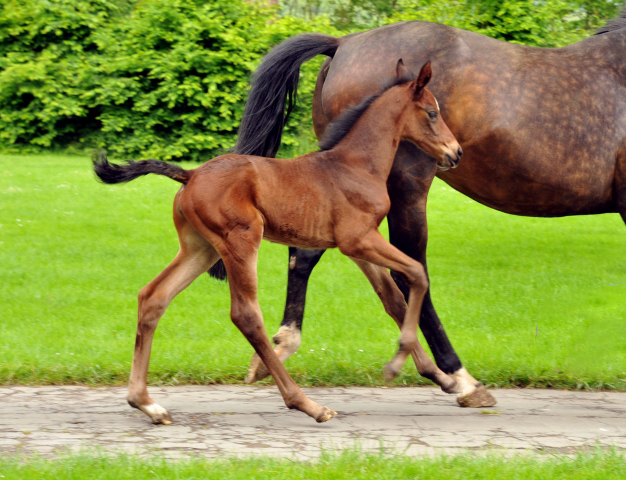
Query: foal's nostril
point(459, 153)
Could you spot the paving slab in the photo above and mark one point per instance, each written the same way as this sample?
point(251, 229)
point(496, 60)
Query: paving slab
point(223, 420)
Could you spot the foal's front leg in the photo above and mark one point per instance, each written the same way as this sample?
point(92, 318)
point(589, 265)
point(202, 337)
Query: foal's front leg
point(240, 260)
point(372, 247)
point(395, 306)
point(408, 186)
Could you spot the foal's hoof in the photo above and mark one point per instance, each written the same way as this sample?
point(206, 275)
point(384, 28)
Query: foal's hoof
point(163, 420)
point(157, 414)
point(326, 415)
point(390, 372)
point(478, 398)
point(257, 371)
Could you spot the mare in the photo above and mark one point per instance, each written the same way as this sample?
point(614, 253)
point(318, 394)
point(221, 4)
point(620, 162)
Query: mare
point(336, 197)
point(543, 131)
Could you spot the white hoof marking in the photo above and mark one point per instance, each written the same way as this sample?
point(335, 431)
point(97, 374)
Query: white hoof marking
point(287, 341)
point(154, 410)
point(466, 383)
point(157, 413)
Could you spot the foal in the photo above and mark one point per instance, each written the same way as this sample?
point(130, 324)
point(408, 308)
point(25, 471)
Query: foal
point(333, 198)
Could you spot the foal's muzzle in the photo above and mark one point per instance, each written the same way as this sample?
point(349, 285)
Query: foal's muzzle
point(451, 159)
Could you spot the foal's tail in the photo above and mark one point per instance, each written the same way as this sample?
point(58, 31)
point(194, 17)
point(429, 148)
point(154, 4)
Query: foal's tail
point(112, 173)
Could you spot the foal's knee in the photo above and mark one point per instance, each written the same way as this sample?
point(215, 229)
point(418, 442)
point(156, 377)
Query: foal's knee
point(354, 246)
point(246, 319)
point(416, 277)
point(408, 344)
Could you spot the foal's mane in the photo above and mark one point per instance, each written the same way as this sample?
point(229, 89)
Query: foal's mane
point(615, 24)
point(343, 123)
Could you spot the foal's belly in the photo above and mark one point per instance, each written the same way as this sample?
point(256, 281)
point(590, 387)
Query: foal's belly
point(303, 225)
point(294, 238)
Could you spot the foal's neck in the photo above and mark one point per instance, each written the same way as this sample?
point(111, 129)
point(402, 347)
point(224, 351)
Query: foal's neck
point(373, 141)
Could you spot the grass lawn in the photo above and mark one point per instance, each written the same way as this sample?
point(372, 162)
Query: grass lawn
point(525, 301)
point(347, 465)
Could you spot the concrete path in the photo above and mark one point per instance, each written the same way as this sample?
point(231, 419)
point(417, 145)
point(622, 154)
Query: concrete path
point(215, 421)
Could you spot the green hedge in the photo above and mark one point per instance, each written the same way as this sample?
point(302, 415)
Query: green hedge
point(158, 78)
point(168, 78)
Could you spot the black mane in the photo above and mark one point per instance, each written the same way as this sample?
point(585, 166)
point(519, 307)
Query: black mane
point(615, 24)
point(342, 124)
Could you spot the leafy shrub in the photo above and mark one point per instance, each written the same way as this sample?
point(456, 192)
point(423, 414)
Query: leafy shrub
point(172, 79)
point(160, 78)
point(43, 51)
point(168, 78)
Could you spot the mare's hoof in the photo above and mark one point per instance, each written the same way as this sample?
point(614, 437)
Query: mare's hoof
point(326, 415)
point(257, 371)
point(478, 398)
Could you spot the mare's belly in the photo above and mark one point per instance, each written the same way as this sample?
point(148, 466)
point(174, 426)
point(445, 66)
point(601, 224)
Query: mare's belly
point(542, 196)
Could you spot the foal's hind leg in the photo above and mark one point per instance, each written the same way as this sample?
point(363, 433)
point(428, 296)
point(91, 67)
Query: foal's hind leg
point(289, 335)
point(373, 248)
point(395, 306)
point(196, 256)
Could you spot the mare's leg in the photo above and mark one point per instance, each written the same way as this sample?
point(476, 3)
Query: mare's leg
point(288, 337)
point(240, 259)
point(408, 185)
point(619, 187)
point(196, 255)
point(395, 306)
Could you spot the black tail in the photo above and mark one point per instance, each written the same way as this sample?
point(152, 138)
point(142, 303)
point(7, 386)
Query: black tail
point(112, 173)
point(274, 87)
point(272, 98)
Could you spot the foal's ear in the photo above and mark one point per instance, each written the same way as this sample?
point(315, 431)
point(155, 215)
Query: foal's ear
point(402, 71)
point(422, 79)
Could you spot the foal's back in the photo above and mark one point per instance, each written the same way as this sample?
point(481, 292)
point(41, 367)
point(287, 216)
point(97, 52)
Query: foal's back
point(294, 198)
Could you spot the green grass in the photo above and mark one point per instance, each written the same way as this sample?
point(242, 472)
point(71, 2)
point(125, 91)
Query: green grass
point(525, 301)
point(351, 465)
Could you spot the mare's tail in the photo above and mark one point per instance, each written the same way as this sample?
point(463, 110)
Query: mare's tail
point(274, 86)
point(272, 98)
point(112, 173)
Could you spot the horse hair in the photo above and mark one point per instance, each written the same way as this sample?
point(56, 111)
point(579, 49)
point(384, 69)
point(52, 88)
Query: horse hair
point(343, 123)
point(112, 173)
point(276, 83)
point(615, 24)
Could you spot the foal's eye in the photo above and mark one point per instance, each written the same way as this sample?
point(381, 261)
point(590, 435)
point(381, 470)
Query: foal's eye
point(432, 115)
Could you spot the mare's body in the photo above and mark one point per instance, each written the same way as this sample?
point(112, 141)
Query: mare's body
point(544, 132)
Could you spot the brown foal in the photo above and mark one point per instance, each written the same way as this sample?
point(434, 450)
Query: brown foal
point(332, 198)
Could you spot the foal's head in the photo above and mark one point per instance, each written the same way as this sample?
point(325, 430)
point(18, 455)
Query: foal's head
point(422, 121)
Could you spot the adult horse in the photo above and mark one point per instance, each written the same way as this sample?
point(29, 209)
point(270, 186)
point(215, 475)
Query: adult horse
point(543, 131)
